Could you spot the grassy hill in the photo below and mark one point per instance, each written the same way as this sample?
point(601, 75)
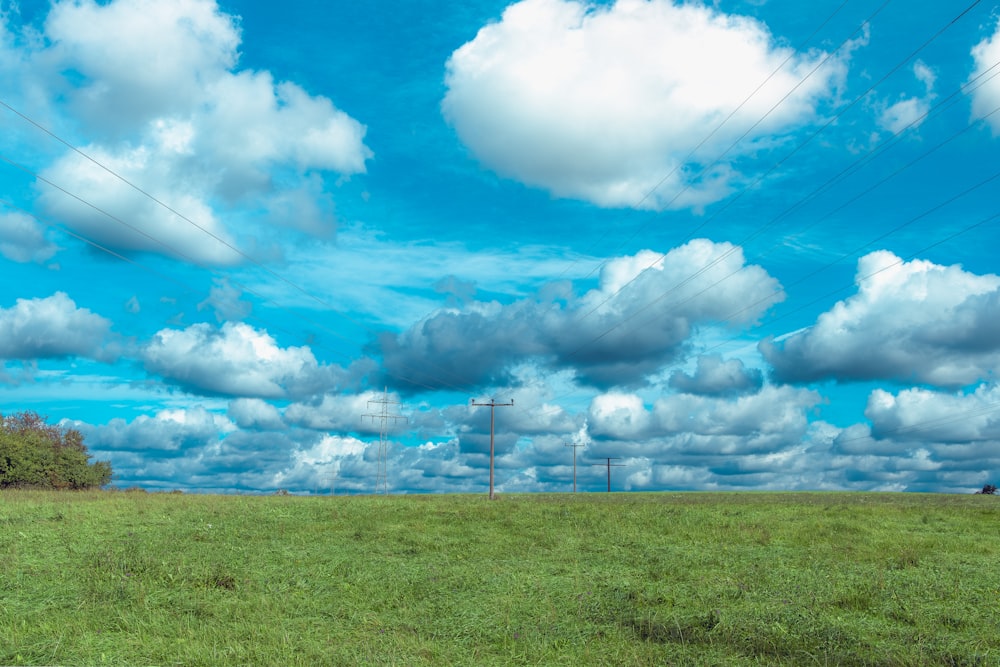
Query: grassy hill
point(602, 579)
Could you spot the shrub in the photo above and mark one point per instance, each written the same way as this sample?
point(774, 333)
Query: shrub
point(36, 454)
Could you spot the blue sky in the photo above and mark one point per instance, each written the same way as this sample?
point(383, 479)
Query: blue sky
point(736, 244)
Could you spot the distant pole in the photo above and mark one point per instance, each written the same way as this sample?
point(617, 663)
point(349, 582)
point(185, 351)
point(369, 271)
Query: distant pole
point(382, 468)
point(574, 446)
point(492, 406)
point(611, 465)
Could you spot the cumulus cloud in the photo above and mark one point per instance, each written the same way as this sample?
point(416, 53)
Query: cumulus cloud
point(909, 321)
point(638, 319)
point(920, 440)
point(706, 424)
point(715, 377)
point(235, 360)
point(910, 111)
point(51, 327)
point(117, 216)
point(320, 465)
point(603, 102)
point(931, 416)
point(255, 414)
point(23, 240)
point(166, 107)
point(986, 97)
point(168, 432)
point(190, 448)
point(352, 413)
point(158, 62)
point(619, 415)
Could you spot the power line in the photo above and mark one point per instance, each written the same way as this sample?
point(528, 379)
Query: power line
point(193, 290)
point(730, 116)
point(270, 272)
point(760, 178)
point(185, 256)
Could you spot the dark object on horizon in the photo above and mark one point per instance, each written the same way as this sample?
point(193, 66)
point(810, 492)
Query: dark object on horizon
point(988, 490)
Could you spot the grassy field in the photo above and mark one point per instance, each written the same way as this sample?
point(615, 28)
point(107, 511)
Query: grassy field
point(601, 579)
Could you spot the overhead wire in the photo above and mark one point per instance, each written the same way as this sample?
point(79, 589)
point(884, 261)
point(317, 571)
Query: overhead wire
point(762, 228)
point(882, 236)
point(274, 274)
point(178, 253)
point(875, 151)
point(193, 290)
point(277, 276)
point(760, 178)
point(171, 250)
point(679, 165)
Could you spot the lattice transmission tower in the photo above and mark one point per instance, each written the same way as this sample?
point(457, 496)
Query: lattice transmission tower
point(384, 418)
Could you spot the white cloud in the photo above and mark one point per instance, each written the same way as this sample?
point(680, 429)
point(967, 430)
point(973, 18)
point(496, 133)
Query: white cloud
point(375, 266)
point(168, 432)
point(910, 110)
point(904, 113)
point(638, 319)
point(921, 440)
point(603, 102)
point(155, 88)
point(618, 415)
point(157, 64)
point(23, 240)
point(715, 377)
point(986, 97)
point(679, 442)
point(929, 416)
point(909, 321)
point(340, 412)
point(235, 360)
point(51, 327)
point(136, 222)
point(255, 414)
point(320, 465)
point(706, 424)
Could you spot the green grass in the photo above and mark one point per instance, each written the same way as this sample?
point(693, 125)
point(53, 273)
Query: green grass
point(603, 579)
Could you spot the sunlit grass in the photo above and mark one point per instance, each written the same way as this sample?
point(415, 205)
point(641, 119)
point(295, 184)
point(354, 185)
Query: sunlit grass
point(685, 579)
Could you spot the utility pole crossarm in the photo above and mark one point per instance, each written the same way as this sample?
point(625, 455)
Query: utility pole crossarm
point(492, 405)
point(609, 466)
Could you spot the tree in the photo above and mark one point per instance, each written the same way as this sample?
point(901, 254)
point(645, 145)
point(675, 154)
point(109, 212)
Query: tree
point(989, 490)
point(36, 454)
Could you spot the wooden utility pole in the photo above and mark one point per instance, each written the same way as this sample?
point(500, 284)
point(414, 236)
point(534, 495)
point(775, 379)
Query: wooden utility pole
point(611, 465)
point(574, 446)
point(492, 406)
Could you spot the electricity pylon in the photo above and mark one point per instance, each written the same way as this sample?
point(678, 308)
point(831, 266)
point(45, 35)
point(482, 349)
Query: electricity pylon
point(383, 416)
